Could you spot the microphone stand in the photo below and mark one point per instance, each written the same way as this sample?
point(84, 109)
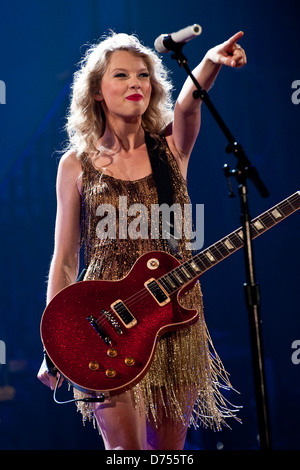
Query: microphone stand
point(243, 170)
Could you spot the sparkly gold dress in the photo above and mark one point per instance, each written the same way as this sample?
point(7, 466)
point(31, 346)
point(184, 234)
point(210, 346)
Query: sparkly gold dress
point(186, 373)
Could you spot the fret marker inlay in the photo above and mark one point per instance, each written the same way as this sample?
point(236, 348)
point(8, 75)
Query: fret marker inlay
point(195, 267)
point(228, 244)
point(258, 225)
point(210, 256)
point(240, 234)
point(276, 214)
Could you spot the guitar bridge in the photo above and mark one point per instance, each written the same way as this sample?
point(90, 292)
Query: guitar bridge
point(110, 318)
point(157, 292)
point(100, 331)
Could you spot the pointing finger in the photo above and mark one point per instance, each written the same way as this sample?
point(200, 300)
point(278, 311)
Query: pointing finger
point(231, 41)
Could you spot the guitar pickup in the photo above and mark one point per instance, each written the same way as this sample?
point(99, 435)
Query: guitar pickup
point(123, 313)
point(157, 292)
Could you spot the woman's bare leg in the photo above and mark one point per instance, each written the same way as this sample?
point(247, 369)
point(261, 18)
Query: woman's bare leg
point(168, 436)
point(122, 426)
point(164, 433)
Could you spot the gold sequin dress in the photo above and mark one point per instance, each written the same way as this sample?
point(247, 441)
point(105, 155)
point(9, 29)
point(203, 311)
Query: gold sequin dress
point(186, 372)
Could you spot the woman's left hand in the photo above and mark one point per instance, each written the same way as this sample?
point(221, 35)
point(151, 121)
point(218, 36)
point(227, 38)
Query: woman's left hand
point(229, 52)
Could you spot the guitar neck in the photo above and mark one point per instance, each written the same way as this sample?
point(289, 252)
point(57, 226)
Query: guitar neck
point(193, 268)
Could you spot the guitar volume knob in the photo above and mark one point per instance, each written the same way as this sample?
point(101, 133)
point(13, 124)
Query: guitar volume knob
point(112, 352)
point(110, 373)
point(129, 361)
point(94, 365)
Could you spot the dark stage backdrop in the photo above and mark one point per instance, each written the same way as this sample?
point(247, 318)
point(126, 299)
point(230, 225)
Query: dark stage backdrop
point(40, 44)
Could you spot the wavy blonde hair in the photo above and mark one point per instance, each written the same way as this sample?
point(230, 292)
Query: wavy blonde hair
point(86, 120)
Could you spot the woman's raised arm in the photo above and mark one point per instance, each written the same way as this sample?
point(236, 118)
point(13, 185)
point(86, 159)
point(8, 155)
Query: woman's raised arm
point(187, 116)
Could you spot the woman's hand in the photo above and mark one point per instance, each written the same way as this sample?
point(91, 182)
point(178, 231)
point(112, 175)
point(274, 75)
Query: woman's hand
point(229, 52)
point(46, 378)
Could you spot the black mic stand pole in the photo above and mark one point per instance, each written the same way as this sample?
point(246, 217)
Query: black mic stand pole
point(243, 171)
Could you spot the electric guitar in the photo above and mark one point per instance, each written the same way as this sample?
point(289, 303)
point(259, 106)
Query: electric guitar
point(102, 335)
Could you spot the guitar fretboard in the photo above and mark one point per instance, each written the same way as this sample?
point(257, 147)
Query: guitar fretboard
point(193, 268)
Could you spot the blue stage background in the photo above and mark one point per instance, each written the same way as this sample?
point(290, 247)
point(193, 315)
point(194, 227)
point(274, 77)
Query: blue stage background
point(40, 44)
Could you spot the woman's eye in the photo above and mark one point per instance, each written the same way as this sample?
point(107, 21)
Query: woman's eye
point(124, 75)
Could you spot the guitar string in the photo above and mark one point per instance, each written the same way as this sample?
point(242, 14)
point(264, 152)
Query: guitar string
point(131, 301)
point(200, 256)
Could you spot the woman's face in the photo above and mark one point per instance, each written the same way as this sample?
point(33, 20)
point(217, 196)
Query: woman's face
point(125, 88)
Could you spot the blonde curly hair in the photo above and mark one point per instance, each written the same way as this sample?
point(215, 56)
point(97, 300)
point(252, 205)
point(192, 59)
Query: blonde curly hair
point(86, 120)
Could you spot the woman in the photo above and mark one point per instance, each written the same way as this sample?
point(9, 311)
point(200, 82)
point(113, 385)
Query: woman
point(122, 98)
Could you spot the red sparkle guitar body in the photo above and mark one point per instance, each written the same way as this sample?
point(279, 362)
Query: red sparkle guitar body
point(101, 335)
point(81, 354)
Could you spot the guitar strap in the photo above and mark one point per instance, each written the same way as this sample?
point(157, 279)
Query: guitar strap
point(162, 179)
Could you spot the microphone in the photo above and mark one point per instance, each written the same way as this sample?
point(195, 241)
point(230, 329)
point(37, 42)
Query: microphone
point(170, 42)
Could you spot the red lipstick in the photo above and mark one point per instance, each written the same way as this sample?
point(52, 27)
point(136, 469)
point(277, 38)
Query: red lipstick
point(134, 97)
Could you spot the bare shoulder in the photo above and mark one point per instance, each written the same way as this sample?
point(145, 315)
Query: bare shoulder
point(70, 169)
point(70, 163)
